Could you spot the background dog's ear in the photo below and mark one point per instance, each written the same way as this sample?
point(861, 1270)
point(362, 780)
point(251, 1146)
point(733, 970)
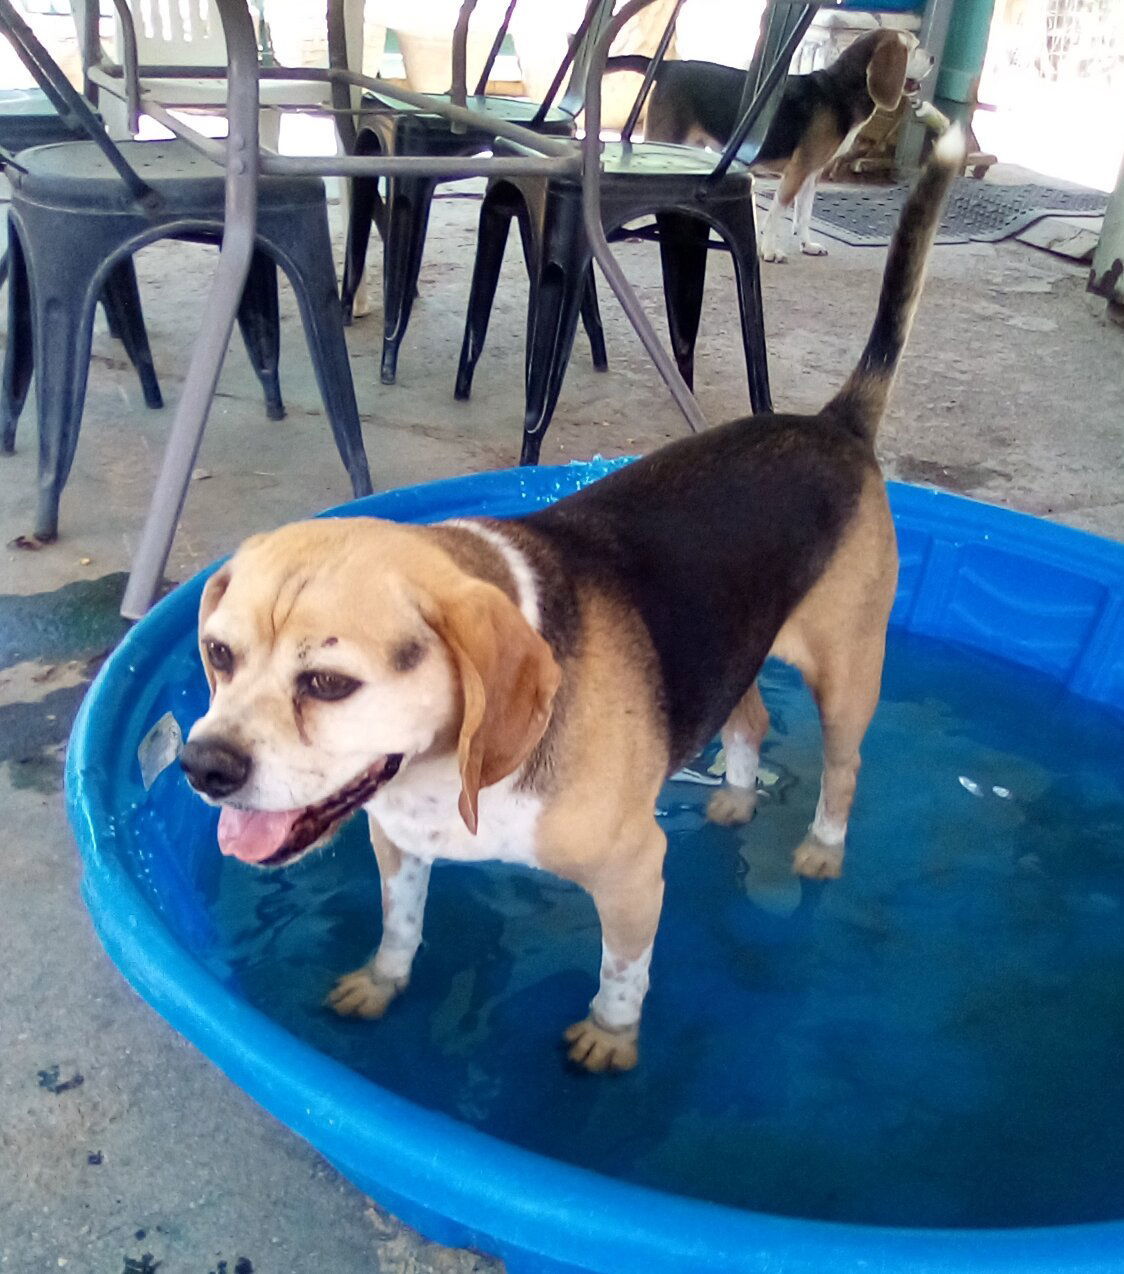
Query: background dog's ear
point(212, 594)
point(509, 678)
point(885, 72)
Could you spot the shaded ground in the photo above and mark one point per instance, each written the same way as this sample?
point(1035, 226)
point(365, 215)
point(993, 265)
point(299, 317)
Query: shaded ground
point(121, 1149)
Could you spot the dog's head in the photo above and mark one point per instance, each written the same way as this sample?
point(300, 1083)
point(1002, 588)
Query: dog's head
point(338, 651)
point(898, 63)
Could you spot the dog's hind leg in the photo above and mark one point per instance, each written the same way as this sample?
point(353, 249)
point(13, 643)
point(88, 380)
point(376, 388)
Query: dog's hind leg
point(803, 219)
point(846, 688)
point(837, 638)
point(368, 991)
point(736, 800)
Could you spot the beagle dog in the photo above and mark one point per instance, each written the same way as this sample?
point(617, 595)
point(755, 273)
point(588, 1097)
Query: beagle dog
point(520, 690)
point(818, 119)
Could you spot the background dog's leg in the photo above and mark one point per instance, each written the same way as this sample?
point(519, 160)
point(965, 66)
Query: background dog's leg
point(775, 230)
point(736, 800)
point(628, 897)
point(803, 219)
point(846, 688)
point(368, 991)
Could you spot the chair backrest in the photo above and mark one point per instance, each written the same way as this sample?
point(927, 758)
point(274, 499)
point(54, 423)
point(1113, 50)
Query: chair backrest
point(175, 33)
point(783, 26)
point(575, 62)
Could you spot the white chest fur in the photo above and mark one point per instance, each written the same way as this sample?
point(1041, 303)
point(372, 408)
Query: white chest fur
point(418, 812)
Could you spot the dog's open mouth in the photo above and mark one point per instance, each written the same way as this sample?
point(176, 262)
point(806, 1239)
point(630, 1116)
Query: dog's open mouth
point(912, 87)
point(272, 838)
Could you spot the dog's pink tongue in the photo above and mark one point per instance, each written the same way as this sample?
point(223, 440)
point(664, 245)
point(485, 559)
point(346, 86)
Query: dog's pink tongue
point(254, 835)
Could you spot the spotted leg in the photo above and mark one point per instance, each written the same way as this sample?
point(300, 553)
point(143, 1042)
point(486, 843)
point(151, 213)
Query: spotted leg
point(368, 991)
point(628, 894)
point(736, 800)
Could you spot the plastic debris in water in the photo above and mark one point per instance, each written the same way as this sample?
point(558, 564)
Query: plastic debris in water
point(970, 785)
point(1004, 793)
point(159, 748)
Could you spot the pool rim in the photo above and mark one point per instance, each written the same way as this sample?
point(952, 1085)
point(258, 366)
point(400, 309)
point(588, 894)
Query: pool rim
point(460, 1185)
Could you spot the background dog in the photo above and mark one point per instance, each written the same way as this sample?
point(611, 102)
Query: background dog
point(520, 690)
point(819, 116)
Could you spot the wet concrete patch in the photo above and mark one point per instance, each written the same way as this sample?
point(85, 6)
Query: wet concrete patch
point(953, 477)
point(33, 734)
point(79, 620)
point(51, 645)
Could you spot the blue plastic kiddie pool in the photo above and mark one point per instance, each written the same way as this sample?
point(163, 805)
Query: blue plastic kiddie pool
point(919, 1067)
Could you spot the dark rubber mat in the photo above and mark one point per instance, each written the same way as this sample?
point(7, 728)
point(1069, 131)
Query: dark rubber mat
point(977, 210)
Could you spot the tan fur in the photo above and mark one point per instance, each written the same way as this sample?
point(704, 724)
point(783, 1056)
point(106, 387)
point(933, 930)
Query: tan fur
point(885, 73)
point(508, 680)
point(601, 758)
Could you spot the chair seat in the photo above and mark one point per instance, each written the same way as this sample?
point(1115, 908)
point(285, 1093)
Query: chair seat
point(27, 118)
point(77, 175)
point(509, 110)
point(173, 93)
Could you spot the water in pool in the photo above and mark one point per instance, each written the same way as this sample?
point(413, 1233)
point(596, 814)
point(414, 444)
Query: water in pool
point(936, 1039)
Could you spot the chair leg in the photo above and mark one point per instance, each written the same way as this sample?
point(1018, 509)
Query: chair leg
point(739, 229)
point(259, 319)
point(591, 321)
point(364, 192)
point(683, 250)
point(302, 245)
point(557, 285)
point(407, 219)
point(62, 319)
point(121, 298)
point(491, 241)
point(19, 357)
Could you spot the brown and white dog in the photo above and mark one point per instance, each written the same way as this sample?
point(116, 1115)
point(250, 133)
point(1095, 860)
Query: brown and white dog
point(819, 116)
point(520, 690)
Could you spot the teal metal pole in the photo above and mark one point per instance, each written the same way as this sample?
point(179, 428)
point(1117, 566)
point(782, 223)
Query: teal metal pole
point(963, 59)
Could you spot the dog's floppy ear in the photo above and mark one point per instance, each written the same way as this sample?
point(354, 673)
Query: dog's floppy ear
point(885, 72)
point(212, 594)
point(508, 677)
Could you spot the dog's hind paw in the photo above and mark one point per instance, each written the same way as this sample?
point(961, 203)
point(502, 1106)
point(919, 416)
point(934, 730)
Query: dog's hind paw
point(363, 994)
point(811, 248)
point(818, 861)
point(732, 805)
point(773, 255)
point(597, 1049)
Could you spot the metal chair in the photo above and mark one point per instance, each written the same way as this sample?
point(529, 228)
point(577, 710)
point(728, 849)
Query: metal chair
point(689, 193)
point(387, 128)
point(29, 118)
point(104, 202)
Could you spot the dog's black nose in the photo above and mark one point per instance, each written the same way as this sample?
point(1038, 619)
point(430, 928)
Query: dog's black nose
point(214, 768)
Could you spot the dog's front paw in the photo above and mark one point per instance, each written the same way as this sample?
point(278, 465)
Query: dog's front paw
point(732, 805)
point(818, 861)
point(811, 248)
point(363, 994)
point(774, 255)
point(597, 1049)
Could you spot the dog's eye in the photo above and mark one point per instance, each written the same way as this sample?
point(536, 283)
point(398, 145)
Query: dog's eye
point(220, 656)
point(326, 685)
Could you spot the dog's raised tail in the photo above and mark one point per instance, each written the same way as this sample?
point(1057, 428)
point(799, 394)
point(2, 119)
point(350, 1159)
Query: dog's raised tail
point(862, 400)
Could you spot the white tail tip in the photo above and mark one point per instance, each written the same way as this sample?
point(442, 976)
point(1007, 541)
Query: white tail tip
point(951, 148)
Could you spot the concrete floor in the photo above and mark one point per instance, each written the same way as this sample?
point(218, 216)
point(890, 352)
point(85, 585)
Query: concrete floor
point(121, 1149)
